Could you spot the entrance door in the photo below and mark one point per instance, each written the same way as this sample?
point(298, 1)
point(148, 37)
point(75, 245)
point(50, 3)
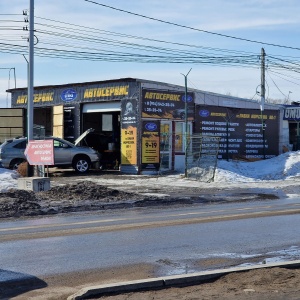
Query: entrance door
point(165, 145)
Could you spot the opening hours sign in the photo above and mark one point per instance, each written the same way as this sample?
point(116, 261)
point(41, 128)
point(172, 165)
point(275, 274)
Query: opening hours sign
point(40, 152)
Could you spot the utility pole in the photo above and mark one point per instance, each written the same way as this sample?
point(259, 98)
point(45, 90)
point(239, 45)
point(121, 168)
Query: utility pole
point(30, 73)
point(186, 121)
point(262, 99)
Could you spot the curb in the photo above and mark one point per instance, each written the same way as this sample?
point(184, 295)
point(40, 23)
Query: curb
point(169, 281)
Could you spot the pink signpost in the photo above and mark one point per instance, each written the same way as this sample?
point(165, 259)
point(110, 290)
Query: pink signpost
point(40, 152)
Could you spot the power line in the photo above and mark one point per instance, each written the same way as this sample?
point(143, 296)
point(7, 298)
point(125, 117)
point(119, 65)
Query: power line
point(138, 52)
point(276, 85)
point(192, 28)
point(88, 29)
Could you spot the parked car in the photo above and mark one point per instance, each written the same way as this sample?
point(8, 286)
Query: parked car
point(66, 154)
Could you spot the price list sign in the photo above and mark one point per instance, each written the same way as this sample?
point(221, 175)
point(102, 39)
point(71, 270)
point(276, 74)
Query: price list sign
point(242, 132)
point(150, 145)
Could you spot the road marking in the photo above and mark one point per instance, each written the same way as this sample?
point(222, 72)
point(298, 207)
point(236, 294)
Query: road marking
point(123, 219)
point(144, 225)
point(45, 226)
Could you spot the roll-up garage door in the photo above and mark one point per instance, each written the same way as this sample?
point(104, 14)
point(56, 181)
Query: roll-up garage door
point(101, 107)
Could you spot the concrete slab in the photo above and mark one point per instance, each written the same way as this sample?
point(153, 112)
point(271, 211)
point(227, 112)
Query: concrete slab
point(168, 281)
point(36, 184)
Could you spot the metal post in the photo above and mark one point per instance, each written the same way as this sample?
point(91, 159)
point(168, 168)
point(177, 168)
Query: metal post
point(185, 121)
point(30, 73)
point(14, 76)
point(227, 140)
point(30, 64)
point(262, 100)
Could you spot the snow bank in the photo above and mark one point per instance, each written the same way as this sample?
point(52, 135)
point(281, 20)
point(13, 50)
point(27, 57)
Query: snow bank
point(282, 167)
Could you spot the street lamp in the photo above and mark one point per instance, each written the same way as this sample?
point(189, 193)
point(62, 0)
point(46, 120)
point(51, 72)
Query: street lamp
point(185, 121)
point(14, 69)
point(263, 125)
point(288, 97)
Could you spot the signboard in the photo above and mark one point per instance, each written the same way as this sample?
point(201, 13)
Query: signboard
point(128, 132)
point(77, 93)
point(241, 130)
point(292, 113)
point(150, 144)
point(160, 104)
point(40, 152)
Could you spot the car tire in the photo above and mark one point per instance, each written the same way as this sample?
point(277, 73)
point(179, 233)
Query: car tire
point(81, 164)
point(14, 164)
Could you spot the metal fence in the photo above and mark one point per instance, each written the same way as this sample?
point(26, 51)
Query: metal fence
point(202, 155)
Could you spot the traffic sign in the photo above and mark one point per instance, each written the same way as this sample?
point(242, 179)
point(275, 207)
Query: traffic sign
point(40, 152)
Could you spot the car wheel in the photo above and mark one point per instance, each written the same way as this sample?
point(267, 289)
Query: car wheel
point(14, 164)
point(81, 165)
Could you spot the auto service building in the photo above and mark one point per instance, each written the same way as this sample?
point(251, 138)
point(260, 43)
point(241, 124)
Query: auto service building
point(139, 125)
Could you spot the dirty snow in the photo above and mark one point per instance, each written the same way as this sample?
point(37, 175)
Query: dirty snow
point(283, 167)
point(8, 179)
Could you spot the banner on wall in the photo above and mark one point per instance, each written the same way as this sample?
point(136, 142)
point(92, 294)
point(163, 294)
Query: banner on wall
point(291, 113)
point(129, 132)
point(77, 93)
point(241, 130)
point(150, 145)
point(167, 104)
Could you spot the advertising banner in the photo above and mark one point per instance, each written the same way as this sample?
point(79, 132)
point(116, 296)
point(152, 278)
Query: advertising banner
point(129, 132)
point(150, 145)
point(78, 93)
point(160, 104)
point(241, 130)
point(292, 113)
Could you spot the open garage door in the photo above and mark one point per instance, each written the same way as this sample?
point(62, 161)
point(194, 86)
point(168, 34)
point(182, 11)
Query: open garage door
point(101, 107)
point(104, 118)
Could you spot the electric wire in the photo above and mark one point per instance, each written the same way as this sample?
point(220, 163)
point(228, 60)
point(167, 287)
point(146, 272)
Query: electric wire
point(98, 46)
point(191, 28)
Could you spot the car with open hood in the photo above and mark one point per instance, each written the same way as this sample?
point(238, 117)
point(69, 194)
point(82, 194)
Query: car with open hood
point(66, 154)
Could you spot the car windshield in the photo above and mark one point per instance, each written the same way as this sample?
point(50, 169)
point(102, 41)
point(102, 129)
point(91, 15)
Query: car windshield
point(5, 143)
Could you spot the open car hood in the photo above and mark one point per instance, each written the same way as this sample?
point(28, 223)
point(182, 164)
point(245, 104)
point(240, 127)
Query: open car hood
point(81, 137)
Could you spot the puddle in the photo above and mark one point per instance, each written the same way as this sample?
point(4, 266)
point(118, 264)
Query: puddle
point(213, 261)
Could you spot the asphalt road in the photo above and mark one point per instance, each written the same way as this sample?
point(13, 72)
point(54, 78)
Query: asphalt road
point(175, 241)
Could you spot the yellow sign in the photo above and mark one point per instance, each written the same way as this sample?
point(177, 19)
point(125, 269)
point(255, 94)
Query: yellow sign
point(40, 97)
point(150, 149)
point(129, 146)
point(106, 92)
point(162, 96)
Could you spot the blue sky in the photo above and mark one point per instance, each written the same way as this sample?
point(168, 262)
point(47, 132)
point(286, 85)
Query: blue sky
point(58, 28)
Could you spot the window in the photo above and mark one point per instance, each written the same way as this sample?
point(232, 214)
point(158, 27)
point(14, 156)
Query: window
point(59, 144)
point(107, 122)
point(21, 145)
point(179, 137)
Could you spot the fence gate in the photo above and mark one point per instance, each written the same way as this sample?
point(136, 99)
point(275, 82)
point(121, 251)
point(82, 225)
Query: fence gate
point(202, 155)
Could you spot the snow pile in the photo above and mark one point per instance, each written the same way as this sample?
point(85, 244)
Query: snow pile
point(8, 179)
point(282, 167)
